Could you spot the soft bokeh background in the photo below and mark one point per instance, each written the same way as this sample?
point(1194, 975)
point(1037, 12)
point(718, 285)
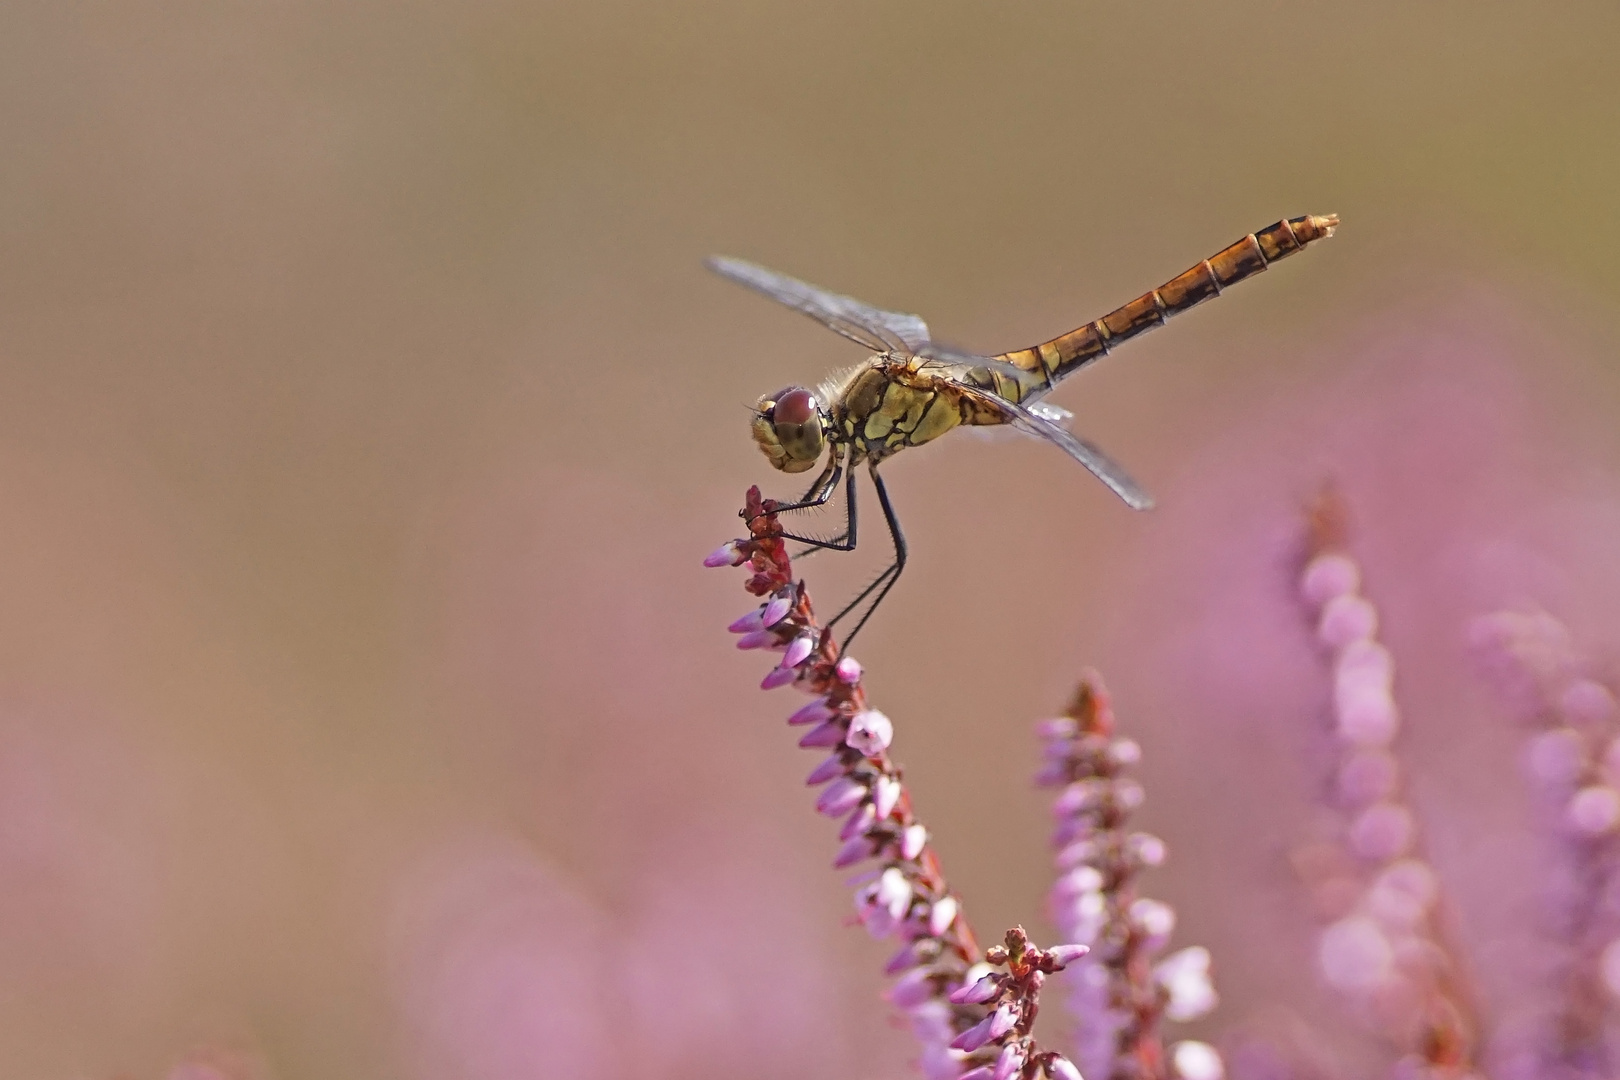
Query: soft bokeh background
point(365, 412)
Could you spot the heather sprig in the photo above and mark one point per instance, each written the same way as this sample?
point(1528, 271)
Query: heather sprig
point(1120, 992)
point(970, 1021)
point(1572, 762)
point(1385, 946)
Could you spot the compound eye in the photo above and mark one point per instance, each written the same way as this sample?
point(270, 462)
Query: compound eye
point(795, 405)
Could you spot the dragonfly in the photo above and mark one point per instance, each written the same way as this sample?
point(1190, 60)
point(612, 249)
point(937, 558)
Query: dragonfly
point(912, 389)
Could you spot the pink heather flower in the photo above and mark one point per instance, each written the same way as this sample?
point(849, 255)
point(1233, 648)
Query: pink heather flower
point(848, 671)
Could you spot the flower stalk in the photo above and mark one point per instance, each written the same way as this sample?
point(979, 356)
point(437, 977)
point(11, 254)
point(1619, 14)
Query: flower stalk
point(972, 1023)
point(1121, 992)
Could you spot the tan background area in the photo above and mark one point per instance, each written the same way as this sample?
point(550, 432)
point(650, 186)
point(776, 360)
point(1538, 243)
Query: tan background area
point(365, 412)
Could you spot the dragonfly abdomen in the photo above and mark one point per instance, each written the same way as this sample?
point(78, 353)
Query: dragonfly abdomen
point(1053, 360)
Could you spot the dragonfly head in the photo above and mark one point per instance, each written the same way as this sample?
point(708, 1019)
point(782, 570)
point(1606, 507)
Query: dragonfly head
point(790, 428)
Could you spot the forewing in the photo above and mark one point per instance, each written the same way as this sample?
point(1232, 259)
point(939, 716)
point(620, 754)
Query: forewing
point(1100, 464)
point(878, 330)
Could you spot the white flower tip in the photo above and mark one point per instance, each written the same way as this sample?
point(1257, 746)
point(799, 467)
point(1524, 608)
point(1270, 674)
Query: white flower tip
point(1194, 1060)
point(1355, 955)
point(1594, 810)
point(727, 554)
point(1155, 918)
point(942, 915)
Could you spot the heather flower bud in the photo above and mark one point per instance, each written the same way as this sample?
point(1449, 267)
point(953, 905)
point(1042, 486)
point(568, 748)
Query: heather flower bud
point(913, 988)
point(832, 767)
point(885, 796)
point(1061, 727)
point(977, 1035)
point(727, 554)
point(942, 915)
point(1345, 619)
point(912, 841)
point(756, 639)
point(841, 797)
point(977, 993)
point(859, 822)
point(1061, 1068)
point(776, 610)
point(829, 734)
point(1061, 956)
point(778, 676)
point(853, 852)
point(798, 651)
point(848, 671)
point(1328, 576)
point(747, 623)
point(1010, 1061)
point(813, 712)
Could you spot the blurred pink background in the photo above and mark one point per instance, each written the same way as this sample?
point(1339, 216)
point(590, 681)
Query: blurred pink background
point(365, 412)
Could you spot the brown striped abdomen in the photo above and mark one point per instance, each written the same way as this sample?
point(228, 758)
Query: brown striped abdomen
point(1054, 359)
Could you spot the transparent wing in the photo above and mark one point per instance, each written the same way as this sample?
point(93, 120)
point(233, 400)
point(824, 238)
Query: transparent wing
point(878, 330)
point(1052, 414)
point(1100, 464)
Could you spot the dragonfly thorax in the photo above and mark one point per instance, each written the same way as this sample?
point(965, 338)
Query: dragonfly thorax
point(791, 428)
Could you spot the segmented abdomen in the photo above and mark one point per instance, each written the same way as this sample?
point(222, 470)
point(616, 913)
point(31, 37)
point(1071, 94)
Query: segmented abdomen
point(1052, 360)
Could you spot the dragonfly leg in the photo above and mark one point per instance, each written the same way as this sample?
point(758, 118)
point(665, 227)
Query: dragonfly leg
point(844, 541)
point(821, 489)
point(884, 581)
